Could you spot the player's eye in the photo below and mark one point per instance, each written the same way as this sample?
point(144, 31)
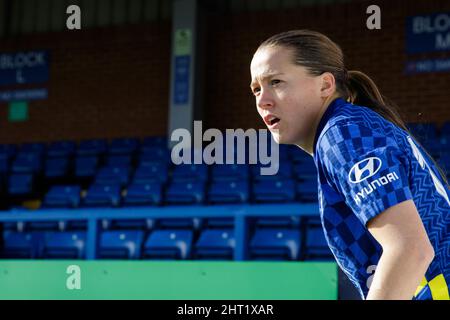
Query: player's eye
point(275, 82)
point(256, 90)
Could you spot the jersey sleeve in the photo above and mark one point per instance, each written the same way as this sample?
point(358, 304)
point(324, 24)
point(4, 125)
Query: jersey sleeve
point(366, 167)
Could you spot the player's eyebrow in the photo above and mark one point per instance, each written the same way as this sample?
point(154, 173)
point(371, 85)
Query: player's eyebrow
point(264, 76)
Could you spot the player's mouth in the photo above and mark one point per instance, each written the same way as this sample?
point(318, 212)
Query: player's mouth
point(272, 121)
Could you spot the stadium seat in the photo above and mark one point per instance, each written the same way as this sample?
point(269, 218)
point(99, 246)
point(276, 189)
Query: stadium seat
point(298, 155)
point(307, 190)
point(228, 192)
point(423, 131)
point(218, 223)
point(143, 194)
point(122, 160)
point(103, 196)
point(56, 168)
point(215, 244)
point(316, 245)
point(168, 244)
point(20, 184)
point(37, 148)
point(86, 166)
point(149, 143)
point(64, 245)
point(61, 149)
point(113, 175)
point(278, 222)
point(445, 130)
point(230, 172)
point(121, 244)
point(123, 146)
point(8, 150)
point(274, 191)
point(275, 244)
point(190, 172)
point(185, 193)
point(5, 162)
point(93, 147)
point(27, 162)
point(154, 155)
point(285, 171)
point(179, 223)
point(63, 196)
point(155, 173)
point(305, 170)
point(21, 245)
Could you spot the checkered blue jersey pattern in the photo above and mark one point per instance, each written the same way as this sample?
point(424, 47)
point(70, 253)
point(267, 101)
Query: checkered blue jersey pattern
point(365, 165)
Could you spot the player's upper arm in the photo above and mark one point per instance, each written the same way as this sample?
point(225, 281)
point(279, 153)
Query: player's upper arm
point(367, 167)
point(401, 226)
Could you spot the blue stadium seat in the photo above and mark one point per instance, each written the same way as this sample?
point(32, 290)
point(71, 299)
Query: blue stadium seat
point(113, 175)
point(285, 171)
point(230, 172)
point(56, 167)
point(151, 174)
point(444, 161)
point(63, 196)
point(275, 244)
point(61, 149)
point(93, 147)
point(298, 155)
point(179, 223)
point(21, 245)
point(278, 222)
point(316, 245)
point(433, 146)
point(229, 192)
point(121, 244)
point(20, 184)
point(423, 131)
point(27, 162)
point(307, 190)
point(123, 160)
point(154, 155)
point(274, 191)
point(143, 194)
point(103, 196)
point(5, 162)
point(218, 223)
point(190, 172)
point(305, 170)
point(86, 166)
point(185, 193)
point(8, 150)
point(215, 244)
point(64, 245)
point(445, 130)
point(150, 142)
point(37, 148)
point(123, 146)
point(168, 244)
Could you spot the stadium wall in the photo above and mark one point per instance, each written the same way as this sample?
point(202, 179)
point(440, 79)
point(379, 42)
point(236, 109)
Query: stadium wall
point(114, 82)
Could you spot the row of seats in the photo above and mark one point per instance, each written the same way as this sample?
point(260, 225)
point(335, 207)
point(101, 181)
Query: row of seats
point(265, 244)
point(112, 195)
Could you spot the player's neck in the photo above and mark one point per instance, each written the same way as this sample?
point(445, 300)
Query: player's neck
point(308, 145)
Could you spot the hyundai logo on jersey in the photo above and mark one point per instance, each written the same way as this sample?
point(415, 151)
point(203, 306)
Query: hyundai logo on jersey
point(364, 169)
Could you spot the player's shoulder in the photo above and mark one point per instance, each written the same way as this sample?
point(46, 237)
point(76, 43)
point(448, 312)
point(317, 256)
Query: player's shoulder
point(357, 130)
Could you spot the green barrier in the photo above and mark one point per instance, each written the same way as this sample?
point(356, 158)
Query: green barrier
point(182, 280)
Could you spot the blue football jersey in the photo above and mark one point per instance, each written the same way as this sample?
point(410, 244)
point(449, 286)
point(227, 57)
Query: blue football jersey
point(365, 165)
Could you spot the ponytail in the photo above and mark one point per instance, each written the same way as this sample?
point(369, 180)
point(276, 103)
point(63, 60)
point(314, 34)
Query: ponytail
point(362, 90)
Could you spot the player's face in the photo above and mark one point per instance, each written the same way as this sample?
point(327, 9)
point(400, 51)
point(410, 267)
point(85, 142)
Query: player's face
point(287, 97)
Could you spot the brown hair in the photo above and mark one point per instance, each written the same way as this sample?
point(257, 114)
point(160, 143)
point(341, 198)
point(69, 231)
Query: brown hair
point(318, 54)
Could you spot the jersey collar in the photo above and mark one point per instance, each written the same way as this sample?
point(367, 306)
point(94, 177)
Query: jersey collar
point(336, 103)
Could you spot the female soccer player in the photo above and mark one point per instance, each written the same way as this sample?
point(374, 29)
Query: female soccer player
point(384, 202)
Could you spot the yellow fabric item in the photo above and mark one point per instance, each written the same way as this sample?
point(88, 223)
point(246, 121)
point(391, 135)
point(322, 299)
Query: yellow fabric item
point(439, 288)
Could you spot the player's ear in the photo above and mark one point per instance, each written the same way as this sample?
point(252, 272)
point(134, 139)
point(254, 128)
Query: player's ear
point(328, 84)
